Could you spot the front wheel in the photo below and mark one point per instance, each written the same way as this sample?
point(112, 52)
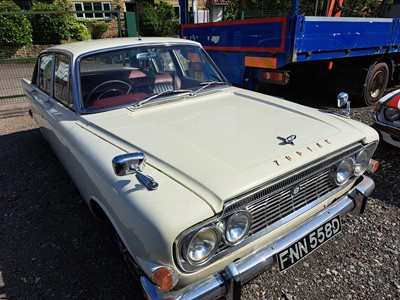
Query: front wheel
point(376, 83)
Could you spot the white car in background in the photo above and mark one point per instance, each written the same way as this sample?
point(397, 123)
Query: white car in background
point(206, 184)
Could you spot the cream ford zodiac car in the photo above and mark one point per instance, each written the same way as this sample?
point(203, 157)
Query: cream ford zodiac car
point(207, 185)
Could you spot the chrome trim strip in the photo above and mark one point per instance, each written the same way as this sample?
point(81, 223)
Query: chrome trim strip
point(216, 285)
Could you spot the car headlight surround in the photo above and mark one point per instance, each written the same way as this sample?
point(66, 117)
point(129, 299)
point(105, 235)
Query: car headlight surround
point(237, 227)
point(343, 171)
point(202, 245)
point(392, 114)
point(361, 162)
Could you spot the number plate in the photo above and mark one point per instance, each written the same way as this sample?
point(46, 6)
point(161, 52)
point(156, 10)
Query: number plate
point(304, 246)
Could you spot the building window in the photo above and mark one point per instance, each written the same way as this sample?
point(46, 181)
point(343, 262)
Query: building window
point(82, 7)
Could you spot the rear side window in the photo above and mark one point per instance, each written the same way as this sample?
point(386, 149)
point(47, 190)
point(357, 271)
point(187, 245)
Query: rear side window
point(44, 73)
point(62, 82)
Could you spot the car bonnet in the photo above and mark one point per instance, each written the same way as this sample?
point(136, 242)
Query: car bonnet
point(223, 144)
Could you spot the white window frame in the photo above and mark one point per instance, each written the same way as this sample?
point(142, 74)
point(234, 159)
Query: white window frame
point(91, 16)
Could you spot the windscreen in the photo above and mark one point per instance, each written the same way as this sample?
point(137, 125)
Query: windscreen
point(120, 77)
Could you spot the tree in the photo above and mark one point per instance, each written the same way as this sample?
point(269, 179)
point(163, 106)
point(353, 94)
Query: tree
point(266, 8)
point(361, 8)
point(158, 19)
point(54, 28)
point(257, 8)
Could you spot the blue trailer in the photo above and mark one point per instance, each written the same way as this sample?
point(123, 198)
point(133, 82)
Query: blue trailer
point(358, 55)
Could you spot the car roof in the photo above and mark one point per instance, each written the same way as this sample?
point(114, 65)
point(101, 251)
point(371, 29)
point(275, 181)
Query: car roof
point(79, 48)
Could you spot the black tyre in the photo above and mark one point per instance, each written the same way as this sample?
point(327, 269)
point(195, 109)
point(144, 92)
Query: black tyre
point(377, 80)
point(133, 268)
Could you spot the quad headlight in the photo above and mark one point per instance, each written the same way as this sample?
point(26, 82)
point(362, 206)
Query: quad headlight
point(361, 163)
point(236, 228)
point(202, 245)
point(343, 171)
point(354, 165)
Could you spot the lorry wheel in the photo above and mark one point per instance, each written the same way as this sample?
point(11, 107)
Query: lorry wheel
point(376, 83)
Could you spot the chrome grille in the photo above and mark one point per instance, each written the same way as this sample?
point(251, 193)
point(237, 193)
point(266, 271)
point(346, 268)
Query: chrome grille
point(272, 203)
point(271, 208)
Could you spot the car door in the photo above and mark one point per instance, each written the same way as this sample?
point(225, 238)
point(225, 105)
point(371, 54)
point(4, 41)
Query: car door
point(53, 100)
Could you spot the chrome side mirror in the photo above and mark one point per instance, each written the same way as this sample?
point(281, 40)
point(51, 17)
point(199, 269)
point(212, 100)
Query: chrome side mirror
point(130, 163)
point(342, 100)
point(133, 163)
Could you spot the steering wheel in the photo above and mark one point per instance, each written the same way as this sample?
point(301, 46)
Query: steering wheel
point(113, 91)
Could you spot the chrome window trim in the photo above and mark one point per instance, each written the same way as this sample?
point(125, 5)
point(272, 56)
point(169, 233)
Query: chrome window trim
point(76, 70)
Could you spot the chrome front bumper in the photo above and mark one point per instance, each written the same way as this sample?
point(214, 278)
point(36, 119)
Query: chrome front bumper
point(228, 282)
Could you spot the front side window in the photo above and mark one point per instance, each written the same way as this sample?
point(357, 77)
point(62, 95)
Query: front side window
point(45, 68)
point(122, 77)
point(192, 64)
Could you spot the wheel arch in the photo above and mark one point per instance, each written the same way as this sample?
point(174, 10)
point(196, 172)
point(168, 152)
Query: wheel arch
point(103, 215)
point(98, 211)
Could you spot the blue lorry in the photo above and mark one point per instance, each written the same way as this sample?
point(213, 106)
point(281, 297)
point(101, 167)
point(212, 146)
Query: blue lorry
point(356, 54)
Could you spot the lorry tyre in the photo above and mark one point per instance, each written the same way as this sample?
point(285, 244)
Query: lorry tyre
point(376, 83)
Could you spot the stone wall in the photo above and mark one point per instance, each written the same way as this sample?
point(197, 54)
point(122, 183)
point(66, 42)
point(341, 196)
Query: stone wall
point(112, 30)
point(12, 52)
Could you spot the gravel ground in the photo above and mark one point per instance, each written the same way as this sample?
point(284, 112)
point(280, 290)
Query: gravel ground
point(52, 247)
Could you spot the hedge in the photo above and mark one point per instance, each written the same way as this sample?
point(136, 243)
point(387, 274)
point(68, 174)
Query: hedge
point(15, 30)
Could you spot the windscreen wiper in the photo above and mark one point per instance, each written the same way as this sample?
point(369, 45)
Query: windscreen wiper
point(206, 85)
point(164, 93)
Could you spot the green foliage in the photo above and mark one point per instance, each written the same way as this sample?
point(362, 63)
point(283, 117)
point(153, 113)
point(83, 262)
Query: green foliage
point(54, 28)
point(236, 9)
point(15, 30)
point(361, 8)
point(97, 29)
point(232, 11)
point(79, 31)
point(158, 19)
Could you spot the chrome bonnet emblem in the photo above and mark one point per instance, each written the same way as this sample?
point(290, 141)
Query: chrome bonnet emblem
point(295, 191)
point(289, 140)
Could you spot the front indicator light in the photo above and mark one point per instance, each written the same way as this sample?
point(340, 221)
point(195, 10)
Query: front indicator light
point(373, 166)
point(165, 278)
